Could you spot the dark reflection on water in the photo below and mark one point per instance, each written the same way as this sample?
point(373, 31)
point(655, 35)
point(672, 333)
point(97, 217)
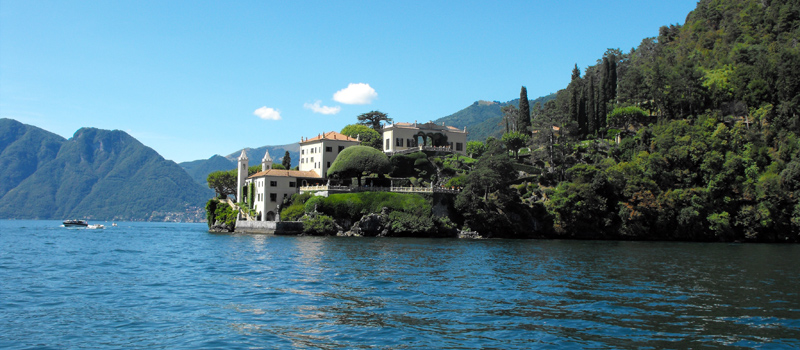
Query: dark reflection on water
point(174, 286)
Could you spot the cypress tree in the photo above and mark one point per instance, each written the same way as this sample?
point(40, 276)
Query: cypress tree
point(287, 161)
point(524, 122)
point(576, 73)
point(590, 105)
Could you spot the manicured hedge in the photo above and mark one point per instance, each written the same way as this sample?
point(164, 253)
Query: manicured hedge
point(354, 205)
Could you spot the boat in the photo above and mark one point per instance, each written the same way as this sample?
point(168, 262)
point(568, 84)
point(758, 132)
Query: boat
point(95, 227)
point(75, 223)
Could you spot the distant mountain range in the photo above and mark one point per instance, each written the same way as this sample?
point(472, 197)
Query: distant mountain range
point(96, 174)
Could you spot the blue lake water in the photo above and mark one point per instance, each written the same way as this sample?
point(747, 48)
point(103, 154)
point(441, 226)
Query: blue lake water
point(175, 286)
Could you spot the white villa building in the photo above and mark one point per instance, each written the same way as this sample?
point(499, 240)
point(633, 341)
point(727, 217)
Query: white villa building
point(317, 154)
point(403, 136)
point(273, 185)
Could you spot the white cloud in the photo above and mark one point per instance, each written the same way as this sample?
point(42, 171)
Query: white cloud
point(356, 94)
point(267, 113)
point(321, 109)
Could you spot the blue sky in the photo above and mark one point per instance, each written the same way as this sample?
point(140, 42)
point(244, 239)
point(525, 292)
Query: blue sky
point(196, 78)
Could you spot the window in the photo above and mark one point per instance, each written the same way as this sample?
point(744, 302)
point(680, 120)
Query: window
point(292, 184)
point(341, 148)
point(387, 143)
point(302, 151)
point(312, 159)
point(273, 183)
point(328, 149)
point(329, 164)
point(284, 196)
point(273, 197)
point(398, 142)
point(459, 146)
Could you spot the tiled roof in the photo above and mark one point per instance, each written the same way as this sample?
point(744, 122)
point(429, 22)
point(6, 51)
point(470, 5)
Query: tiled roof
point(331, 135)
point(284, 173)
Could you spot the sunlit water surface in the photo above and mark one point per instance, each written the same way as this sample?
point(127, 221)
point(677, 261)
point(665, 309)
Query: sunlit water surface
point(175, 286)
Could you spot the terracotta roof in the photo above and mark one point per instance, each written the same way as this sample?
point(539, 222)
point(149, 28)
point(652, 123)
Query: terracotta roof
point(331, 135)
point(284, 173)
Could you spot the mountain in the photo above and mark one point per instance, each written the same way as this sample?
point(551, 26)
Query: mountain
point(96, 174)
point(22, 149)
point(484, 118)
point(199, 169)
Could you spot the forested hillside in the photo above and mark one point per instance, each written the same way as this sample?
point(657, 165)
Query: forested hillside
point(707, 115)
point(22, 149)
point(96, 174)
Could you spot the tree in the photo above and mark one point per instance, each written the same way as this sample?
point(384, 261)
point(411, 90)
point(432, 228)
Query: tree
point(486, 196)
point(373, 119)
point(367, 136)
point(623, 117)
point(510, 117)
point(475, 149)
point(524, 118)
point(222, 182)
point(287, 160)
point(359, 161)
point(514, 141)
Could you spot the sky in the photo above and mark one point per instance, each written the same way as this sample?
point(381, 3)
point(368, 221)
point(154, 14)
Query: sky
point(192, 79)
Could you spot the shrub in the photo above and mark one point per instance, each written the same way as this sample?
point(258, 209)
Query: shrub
point(225, 214)
point(352, 206)
point(211, 207)
point(458, 181)
point(292, 212)
point(401, 223)
point(319, 225)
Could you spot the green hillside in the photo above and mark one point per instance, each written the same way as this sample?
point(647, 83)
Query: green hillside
point(23, 149)
point(708, 115)
point(199, 169)
point(104, 175)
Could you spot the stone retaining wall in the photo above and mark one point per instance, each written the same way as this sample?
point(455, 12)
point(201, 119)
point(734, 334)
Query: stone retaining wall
point(270, 227)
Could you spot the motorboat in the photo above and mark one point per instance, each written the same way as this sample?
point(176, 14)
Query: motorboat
point(75, 223)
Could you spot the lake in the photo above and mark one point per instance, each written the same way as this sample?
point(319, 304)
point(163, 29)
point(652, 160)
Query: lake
point(175, 286)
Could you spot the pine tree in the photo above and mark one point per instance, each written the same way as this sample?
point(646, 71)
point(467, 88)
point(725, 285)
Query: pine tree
point(524, 121)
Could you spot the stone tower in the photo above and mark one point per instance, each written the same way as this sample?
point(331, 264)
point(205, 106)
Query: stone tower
point(241, 175)
point(266, 163)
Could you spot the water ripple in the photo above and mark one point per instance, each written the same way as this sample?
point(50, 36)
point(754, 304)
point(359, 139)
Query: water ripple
point(173, 286)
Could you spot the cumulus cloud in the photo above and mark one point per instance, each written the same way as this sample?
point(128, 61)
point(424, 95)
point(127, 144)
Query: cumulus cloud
point(317, 108)
point(356, 94)
point(267, 113)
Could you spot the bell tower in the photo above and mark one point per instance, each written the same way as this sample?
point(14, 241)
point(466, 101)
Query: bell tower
point(241, 175)
point(266, 163)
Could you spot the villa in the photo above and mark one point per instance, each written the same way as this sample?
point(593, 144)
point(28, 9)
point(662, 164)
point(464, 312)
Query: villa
point(398, 137)
point(272, 186)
